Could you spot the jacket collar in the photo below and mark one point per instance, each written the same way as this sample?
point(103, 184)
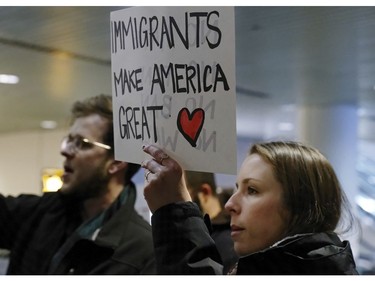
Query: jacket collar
point(111, 232)
point(319, 253)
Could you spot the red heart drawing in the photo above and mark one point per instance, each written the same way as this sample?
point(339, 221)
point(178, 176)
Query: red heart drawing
point(190, 125)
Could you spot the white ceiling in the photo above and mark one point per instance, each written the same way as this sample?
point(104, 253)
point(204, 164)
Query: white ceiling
point(285, 57)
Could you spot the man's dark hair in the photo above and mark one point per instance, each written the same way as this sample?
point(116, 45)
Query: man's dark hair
point(102, 105)
point(195, 179)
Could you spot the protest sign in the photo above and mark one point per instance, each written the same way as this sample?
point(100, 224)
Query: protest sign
point(173, 85)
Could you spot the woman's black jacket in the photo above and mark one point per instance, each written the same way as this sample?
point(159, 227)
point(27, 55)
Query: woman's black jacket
point(183, 246)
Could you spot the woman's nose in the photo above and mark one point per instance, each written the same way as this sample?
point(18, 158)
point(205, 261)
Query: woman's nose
point(230, 206)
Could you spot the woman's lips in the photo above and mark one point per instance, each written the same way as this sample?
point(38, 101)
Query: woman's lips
point(236, 230)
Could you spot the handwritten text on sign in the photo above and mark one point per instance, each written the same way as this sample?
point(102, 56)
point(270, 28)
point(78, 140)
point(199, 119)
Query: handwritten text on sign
point(173, 84)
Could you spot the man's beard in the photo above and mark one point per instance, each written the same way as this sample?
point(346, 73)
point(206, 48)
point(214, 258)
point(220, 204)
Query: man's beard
point(93, 187)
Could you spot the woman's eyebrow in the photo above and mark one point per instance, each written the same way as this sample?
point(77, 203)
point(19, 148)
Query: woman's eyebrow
point(247, 180)
point(250, 179)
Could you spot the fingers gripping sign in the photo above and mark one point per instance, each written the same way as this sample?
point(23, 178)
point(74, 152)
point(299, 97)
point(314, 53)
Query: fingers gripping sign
point(147, 173)
point(164, 181)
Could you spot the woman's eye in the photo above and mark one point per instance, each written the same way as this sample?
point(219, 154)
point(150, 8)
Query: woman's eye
point(251, 190)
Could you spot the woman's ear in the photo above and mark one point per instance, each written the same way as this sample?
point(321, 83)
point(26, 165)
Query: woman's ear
point(116, 166)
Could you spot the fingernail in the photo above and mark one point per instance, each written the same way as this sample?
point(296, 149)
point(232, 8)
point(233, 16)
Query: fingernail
point(145, 145)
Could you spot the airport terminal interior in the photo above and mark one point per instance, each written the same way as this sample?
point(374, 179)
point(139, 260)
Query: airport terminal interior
point(301, 73)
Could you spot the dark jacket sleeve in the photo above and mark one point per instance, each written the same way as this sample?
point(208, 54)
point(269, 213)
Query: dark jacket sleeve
point(182, 242)
point(13, 212)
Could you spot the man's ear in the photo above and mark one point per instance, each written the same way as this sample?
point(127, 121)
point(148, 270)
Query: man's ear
point(204, 194)
point(116, 166)
point(206, 189)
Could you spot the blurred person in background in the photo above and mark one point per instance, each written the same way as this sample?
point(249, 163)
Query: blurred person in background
point(204, 192)
point(90, 225)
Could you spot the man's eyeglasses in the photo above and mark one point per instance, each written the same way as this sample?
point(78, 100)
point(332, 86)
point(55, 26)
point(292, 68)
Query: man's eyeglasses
point(76, 143)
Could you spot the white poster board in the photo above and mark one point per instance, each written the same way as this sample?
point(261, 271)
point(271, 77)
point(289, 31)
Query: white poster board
point(173, 85)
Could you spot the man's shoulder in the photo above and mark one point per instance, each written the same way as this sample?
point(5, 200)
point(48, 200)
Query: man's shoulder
point(33, 200)
point(127, 222)
point(134, 244)
point(139, 223)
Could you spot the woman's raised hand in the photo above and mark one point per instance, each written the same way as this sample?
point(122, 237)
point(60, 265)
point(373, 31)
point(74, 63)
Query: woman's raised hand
point(165, 183)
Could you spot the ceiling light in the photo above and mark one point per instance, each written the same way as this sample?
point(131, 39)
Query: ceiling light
point(48, 124)
point(361, 112)
point(9, 79)
point(288, 107)
point(285, 126)
point(366, 203)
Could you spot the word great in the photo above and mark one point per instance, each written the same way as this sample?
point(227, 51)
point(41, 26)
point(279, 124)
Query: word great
point(134, 123)
point(156, 32)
